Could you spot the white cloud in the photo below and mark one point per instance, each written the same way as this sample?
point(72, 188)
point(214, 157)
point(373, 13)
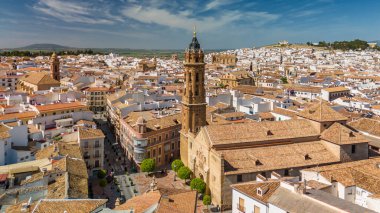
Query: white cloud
point(183, 20)
point(69, 11)
point(306, 13)
point(216, 4)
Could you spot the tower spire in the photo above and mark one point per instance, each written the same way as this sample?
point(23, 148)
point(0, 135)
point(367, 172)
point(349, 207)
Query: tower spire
point(195, 31)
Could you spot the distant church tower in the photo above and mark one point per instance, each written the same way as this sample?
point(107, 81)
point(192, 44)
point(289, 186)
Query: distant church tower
point(54, 67)
point(193, 100)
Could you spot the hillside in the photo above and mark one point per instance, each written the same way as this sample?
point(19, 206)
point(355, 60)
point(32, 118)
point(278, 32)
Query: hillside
point(46, 47)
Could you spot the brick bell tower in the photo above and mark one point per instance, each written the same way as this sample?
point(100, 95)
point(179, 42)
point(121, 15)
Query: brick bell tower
point(54, 67)
point(193, 100)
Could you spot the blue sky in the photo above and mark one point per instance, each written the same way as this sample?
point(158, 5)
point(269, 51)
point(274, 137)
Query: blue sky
point(159, 24)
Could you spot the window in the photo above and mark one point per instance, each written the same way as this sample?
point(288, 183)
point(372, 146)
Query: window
point(263, 174)
point(97, 144)
point(159, 151)
point(256, 209)
point(286, 173)
point(159, 138)
point(154, 153)
point(349, 191)
point(353, 149)
point(239, 178)
point(172, 146)
point(241, 205)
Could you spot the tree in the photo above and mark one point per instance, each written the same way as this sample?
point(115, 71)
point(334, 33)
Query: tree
point(148, 165)
point(206, 200)
point(102, 174)
point(198, 184)
point(103, 183)
point(184, 173)
point(284, 80)
point(177, 164)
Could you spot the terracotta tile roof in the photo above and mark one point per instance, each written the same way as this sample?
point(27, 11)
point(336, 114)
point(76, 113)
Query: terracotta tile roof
point(97, 89)
point(35, 177)
point(61, 106)
point(339, 134)
point(285, 112)
point(57, 190)
point(17, 207)
point(185, 202)
point(364, 174)
point(39, 78)
point(336, 89)
point(4, 132)
point(321, 112)
point(153, 123)
point(141, 203)
point(254, 90)
point(316, 184)
point(270, 158)
point(250, 189)
point(266, 115)
point(304, 88)
point(85, 122)
point(264, 131)
point(369, 126)
point(71, 150)
point(68, 205)
point(45, 153)
point(90, 133)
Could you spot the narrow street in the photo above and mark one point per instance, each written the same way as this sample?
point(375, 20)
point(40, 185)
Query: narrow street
point(114, 162)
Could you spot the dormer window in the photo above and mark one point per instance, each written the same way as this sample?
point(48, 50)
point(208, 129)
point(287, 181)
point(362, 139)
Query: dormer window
point(261, 190)
point(307, 157)
point(351, 134)
point(258, 163)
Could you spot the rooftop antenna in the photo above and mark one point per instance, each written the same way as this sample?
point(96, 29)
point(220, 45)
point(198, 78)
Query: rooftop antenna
point(195, 31)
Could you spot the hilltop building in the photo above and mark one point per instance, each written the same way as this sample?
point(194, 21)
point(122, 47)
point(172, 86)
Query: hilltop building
point(225, 59)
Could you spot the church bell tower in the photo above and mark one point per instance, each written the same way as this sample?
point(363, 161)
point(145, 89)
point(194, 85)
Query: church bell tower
point(194, 100)
point(54, 67)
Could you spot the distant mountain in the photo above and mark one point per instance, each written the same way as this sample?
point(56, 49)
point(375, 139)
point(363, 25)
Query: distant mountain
point(46, 47)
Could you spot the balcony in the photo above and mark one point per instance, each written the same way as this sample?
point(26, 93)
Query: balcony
point(97, 146)
point(96, 156)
